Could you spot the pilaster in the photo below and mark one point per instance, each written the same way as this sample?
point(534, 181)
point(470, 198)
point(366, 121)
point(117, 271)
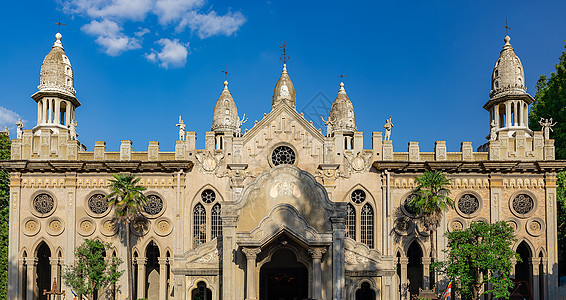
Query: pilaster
point(414, 154)
point(251, 255)
point(467, 151)
point(153, 151)
point(440, 150)
point(387, 150)
point(377, 145)
point(338, 259)
point(126, 150)
point(99, 150)
point(14, 233)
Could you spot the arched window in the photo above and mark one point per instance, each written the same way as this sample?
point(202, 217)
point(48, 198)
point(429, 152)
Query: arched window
point(199, 225)
point(366, 229)
point(216, 225)
point(351, 222)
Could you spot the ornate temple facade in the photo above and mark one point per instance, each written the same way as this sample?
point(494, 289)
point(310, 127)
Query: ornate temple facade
point(280, 211)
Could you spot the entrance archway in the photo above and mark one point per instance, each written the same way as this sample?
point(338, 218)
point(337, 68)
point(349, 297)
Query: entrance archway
point(523, 273)
point(42, 271)
point(365, 292)
point(415, 268)
point(201, 292)
point(283, 278)
point(152, 271)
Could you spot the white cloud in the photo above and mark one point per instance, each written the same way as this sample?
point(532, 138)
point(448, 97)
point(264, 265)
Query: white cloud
point(173, 10)
point(141, 32)
point(210, 24)
point(109, 35)
point(134, 10)
point(172, 55)
point(8, 118)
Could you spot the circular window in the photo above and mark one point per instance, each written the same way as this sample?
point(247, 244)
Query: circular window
point(468, 204)
point(208, 196)
point(523, 204)
point(358, 196)
point(407, 208)
point(43, 203)
point(154, 205)
point(98, 203)
point(283, 155)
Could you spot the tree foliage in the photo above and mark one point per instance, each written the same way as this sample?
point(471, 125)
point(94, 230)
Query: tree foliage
point(480, 254)
point(92, 271)
point(128, 200)
point(550, 102)
point(561, 215)
point(5, 144)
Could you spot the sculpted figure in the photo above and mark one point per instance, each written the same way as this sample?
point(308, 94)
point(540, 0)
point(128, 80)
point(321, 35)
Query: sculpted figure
point(388, 125)
point(492, 133)
point(19, 129)
point(240, 123)
point(284, 92)
point(328, 125)
point(547, 125)
point(73, 130)
point(181, 126)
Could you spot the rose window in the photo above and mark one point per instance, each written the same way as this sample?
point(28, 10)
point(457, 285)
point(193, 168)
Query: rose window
point(98, 204)
point(154, 205)
point(43, 203)
point(208, 196)
point(468, 204)
point(523, 204)
point(410, 210)
point(358, 196)
point(283, 155)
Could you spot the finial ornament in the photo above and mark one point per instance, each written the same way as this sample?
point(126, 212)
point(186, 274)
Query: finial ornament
point(506, 28)
point(284, 58)
point(5, 132)
point(547, 125)
point(182, 125)
point(388, 125)
point(19, 129)
point(59, 24)
point(225, 72)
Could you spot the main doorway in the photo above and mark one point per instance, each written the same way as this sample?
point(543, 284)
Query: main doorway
point(283, 278)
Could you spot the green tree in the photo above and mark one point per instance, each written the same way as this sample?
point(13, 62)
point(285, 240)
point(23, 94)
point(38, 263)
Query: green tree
point(478, 255)
point(550, 102)
point(5, 144)
point(128, 200)
point(91, 271)
point(561, 215)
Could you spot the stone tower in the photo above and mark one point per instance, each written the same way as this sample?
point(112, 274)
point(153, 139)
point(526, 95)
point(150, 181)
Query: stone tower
point(342, 119)
point(56, 100)
point(284, 90)
point(225, 120)
point(508, 100)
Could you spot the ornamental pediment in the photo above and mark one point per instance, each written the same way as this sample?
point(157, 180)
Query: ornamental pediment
point(204, 255)
point(358, 256)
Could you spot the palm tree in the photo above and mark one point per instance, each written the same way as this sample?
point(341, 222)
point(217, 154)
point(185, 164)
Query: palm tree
point(431, 202)
point(128, 200)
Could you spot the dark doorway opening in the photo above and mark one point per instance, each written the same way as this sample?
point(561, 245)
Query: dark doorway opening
point(365, 292)
point(201, 292)
point(283, 278)
point(415, 268)
point(43, 271)
point(522, 288)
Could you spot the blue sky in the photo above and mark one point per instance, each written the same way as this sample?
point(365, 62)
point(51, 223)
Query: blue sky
point(139, 64)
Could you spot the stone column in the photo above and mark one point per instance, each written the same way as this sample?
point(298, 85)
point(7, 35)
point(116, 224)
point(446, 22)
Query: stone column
point(516, 113)
point(31, 265)
point(141, 277)
point(68, 114)
point(534, 263)
point(513, 263)
point(316, 288)
point(338, 259)
point(54, 262)
point(57, 112)
point(544, 262)
point(507, 114)
point(251, 255)
point(162, 278)
point(404, 261)
point(20, 287)
point(426, 272)
point(44, 114)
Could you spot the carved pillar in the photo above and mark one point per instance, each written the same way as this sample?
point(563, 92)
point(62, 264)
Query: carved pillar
point(229, 246)
point(338, 266)
point(316, 288)
point(515, 113)
point(141, 277)
point(31, 264)
point(534, 263)
point(54, 262)
point(507, 114)
point(162, 278)
point(68, 114)
point(544, 274)
point(20, 288)
point(44, 114)
point(426, 272)
point(513, 263)
point(404, 261)
point(251, 255)
point(57, 112)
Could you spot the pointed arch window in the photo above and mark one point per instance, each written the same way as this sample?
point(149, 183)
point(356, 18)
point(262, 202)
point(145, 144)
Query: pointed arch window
point(216, 225)
point(351, 222)
point(199, 225)
point(366, 229)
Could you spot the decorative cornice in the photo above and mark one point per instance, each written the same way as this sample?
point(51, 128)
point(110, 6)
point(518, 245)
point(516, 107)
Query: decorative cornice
point(473, 166)
point(61, 166)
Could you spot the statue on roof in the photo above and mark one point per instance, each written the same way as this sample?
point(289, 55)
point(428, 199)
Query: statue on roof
point(547, 125)
point(19, 129)
point(388, 125)
point(328, 125)
point(240, 123)
point(181, 126)
point(492, 131)
point(73, 130)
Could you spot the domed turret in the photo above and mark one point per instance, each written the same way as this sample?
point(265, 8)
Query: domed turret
point(56, 71)
point(508, 100)
point(225, 116)
point(284, 90)
point(342, 116)
point(508, 76)
point(56, 99)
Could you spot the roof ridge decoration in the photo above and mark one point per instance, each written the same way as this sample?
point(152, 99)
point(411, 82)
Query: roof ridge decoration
point(284, 90)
